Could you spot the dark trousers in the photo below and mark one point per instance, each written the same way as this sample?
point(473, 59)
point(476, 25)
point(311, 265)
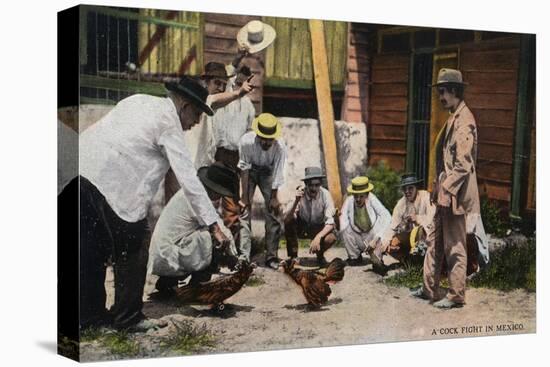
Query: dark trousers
point(103, 236)
point(295, 228)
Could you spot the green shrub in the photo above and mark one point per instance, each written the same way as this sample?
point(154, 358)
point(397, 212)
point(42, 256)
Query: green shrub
point(385, 181)
point(512, 266)
point(492, 218)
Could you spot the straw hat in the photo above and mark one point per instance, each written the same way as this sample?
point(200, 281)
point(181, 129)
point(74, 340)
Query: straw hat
point(267, 126)
point(255, 36)
point(360, 185)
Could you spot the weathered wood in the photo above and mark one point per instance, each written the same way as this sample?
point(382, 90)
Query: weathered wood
point(489, 134)
point(326, 113)
point(397, 117)
point(393, 61)
point(501, 118)
point(490, 59)
point(494, 190)
point(489, 82)
point(396, 162)
point(390, 90)
point(381, 132)
point(228, 19)
point(282, 47)
point(389, 104)
point(491, 101)
point(299, 40)
point(390, 75)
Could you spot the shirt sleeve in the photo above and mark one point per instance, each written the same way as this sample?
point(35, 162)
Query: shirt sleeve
point(329, 209)
point(244, 155)
point(344, 220)
point(397, 215)
point(278, 167)
point(173, 143)
point(383, 217)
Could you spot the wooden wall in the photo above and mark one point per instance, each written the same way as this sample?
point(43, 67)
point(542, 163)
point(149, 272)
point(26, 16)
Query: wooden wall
point(355, 106)
point(491, 69)
point(220, 44)
point(387, 125)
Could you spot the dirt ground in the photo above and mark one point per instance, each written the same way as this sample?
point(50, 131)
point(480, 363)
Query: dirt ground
point(361, 309)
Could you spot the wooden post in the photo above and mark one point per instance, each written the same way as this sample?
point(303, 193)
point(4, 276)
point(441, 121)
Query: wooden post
point(324, 105)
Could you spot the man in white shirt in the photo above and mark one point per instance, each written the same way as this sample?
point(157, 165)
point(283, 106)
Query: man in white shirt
point(413, 214)
point(181, 245)
point(311, 216)
point(123, 159)
point(262, 158)
point(363, 221)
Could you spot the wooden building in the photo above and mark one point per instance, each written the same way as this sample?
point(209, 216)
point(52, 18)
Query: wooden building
point(379, 76)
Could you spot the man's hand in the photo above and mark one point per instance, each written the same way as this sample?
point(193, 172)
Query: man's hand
point(300, 191)
point(411, 218)
point(247, 87)
point(219, 236)
point(315, 245)
point(274, 205)
point(444, 198)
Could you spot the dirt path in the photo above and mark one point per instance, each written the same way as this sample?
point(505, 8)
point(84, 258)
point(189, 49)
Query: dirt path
point(362, 309)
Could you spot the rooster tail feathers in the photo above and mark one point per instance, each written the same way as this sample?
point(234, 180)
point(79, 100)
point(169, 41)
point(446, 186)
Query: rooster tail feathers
point(335, 270)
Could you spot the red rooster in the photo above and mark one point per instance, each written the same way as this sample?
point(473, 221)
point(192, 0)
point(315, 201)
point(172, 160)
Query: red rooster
point(315, 285)
point(214, 292)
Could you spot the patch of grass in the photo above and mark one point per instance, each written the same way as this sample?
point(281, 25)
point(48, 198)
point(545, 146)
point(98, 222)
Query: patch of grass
point(255, 281)
point(189, 339)
point(120, 343)
point(410, 277)
point(90, 334)
point(512, 266)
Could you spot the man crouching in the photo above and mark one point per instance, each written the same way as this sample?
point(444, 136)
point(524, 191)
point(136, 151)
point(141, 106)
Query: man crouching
point(181, 244)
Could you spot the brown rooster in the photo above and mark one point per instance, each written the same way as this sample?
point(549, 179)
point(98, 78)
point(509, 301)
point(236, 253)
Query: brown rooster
point(315, 285)
point(214, 292)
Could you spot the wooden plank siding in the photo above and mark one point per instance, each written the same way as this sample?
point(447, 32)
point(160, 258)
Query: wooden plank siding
point(220, 45)
point(288, 60)
point(491, 69)
point(355, 105)
point(387, 125)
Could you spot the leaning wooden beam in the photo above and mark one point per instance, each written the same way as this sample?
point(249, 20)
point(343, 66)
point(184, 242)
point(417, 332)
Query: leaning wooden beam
point(326, 112)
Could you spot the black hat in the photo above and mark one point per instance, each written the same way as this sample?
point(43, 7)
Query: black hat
point(409, 179)
point(190, 88)
point(313, 172)
point(220, 179)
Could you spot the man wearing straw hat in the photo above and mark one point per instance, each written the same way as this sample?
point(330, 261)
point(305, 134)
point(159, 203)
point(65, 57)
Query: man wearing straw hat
point(412, 219)
point(363, 221)
point(311, 216)
point(262, 158)
point(455, 193)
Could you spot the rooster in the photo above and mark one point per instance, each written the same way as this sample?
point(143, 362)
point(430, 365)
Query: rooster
point(214, 292)
point(315, 285)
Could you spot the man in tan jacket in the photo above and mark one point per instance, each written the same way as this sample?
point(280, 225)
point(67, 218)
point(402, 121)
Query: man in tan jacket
point(455, 193)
